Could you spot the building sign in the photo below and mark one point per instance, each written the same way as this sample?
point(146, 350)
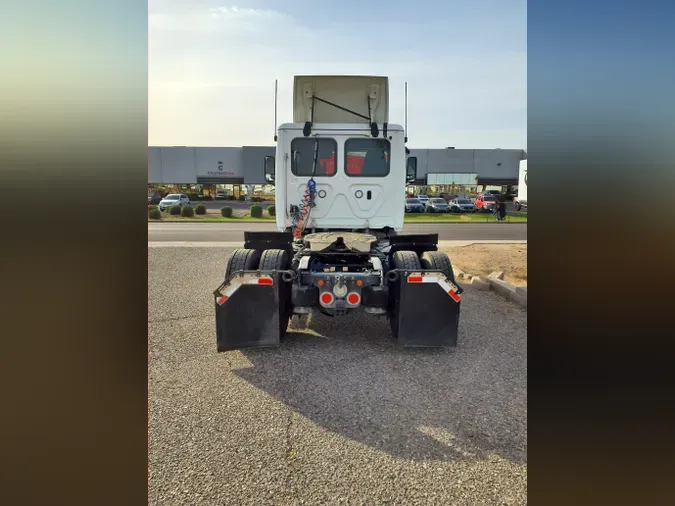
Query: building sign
point(220, 172)
point(219, 165)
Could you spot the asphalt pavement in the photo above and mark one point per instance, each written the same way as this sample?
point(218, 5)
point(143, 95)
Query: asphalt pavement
point(227, 232)
point(338, 414)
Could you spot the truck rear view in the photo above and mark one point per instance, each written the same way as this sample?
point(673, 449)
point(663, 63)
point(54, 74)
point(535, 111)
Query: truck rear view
point(520, 202)
point(339, 170)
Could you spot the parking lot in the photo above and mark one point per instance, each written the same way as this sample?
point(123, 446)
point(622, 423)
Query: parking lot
point(214, 206)
point(338, 414)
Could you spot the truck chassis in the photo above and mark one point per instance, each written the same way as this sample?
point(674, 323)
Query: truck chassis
point(275, 277)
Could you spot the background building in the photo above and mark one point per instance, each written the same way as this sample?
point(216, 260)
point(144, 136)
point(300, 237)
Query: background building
point(244, 165)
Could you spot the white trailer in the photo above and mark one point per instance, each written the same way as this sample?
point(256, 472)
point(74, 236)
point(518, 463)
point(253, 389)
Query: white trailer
point(520, 202)
point(339, 170)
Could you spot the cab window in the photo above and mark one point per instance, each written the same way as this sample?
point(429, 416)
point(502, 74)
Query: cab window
point(302, 157)
point(367, 157)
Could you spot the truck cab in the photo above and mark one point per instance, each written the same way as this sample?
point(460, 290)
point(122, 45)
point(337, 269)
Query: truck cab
point(355, 176)
point(520, 202)
point(358, 167)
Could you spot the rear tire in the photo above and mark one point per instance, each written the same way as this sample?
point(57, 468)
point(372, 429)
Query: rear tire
point(406, 260)
point(437, 260)
point(242, 260)
point(273, 260)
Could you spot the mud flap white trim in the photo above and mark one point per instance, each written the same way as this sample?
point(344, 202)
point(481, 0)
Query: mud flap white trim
point(238, 281)
point(442, 281)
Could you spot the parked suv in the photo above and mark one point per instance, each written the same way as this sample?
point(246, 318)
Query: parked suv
point(485, 202)
point(174, 199)
point(437, 205)
point(462, 206)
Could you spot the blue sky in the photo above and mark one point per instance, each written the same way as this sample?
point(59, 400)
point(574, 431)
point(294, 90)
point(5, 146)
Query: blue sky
point(212, 66)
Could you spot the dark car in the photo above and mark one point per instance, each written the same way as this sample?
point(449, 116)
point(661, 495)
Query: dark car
point(448, 197)
point(462, 206)
point(153, 199)
point(414, 206)
point(437, 205)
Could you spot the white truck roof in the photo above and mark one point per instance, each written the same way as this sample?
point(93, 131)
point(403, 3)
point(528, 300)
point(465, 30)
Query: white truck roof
point(350, 92)
point(341, 127)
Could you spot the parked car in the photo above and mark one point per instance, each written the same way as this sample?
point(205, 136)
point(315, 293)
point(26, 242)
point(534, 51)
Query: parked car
point(448, 197)
point(221, 194)
point(153, 199)
point(486, 202)
point(174, 199)
point(414, 205)
point(462, 206)
point(437, 205)
point(423, 198)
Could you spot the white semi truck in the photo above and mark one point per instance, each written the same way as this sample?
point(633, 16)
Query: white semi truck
point(339, 171)
point(520, 202)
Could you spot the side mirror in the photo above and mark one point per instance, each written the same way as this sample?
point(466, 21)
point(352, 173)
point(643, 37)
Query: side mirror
point(411, 169)
point(269, 169)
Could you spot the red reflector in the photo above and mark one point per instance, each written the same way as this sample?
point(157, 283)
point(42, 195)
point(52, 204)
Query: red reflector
point(414, 279)
point(326, 298)
point(454, 295)
point(221, 300)
point(264, 281)
point(353, 298)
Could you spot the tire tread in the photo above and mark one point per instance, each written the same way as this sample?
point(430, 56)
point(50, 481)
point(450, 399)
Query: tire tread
point(242, 260)
point(406, 260)
point(273, 259)
point(439, 261)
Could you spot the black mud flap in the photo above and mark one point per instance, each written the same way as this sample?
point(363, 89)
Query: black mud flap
point(424, 308)
point(252, 309)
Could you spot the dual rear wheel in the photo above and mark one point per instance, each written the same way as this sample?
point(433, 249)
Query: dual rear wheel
point(251, 260)
point(270, 260)
point(432, 260)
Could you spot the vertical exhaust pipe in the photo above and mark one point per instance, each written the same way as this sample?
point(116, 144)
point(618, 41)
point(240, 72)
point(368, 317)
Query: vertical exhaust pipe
point(405, 114)
point(276, 90)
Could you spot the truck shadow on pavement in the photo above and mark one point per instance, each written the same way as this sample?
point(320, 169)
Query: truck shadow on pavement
point(350, 377)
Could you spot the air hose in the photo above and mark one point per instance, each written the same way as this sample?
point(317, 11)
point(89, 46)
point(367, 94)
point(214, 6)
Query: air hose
point(301, 217)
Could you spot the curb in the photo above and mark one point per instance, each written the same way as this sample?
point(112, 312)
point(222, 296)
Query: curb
point(516, 294)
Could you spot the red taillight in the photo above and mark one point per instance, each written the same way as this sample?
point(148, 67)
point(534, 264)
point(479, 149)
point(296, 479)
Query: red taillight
point(414, 279)
point(353, 298)
point(326, 298)
point(264, 281)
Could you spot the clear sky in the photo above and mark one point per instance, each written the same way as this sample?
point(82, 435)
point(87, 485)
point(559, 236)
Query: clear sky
point(212, 66)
